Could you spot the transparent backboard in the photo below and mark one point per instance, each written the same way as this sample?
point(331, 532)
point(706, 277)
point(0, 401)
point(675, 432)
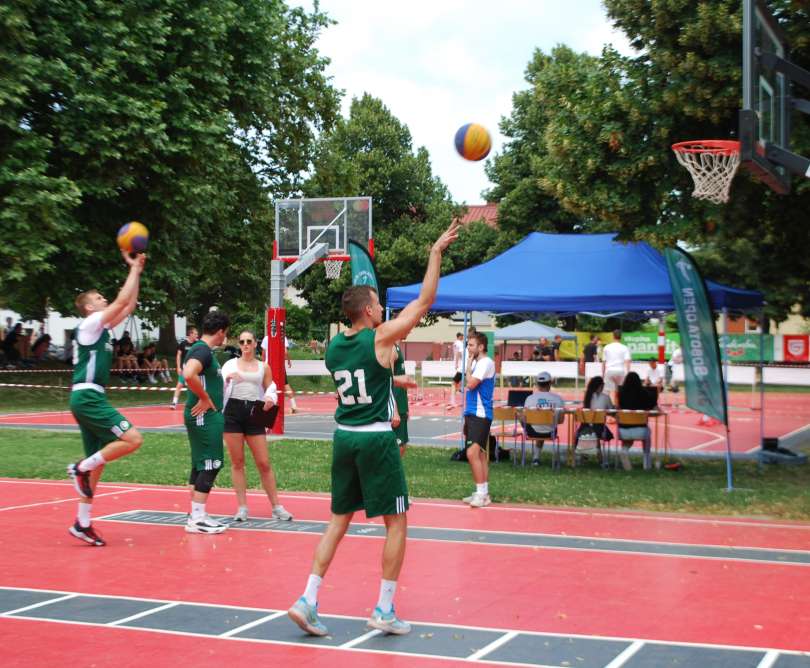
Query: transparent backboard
point(302, 223)
point(765, 116)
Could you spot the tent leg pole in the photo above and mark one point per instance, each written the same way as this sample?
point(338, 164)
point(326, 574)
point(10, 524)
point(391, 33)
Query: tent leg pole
point(729, 476)
point(463, 380)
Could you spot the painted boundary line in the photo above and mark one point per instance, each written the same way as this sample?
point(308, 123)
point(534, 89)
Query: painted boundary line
point(769, 655)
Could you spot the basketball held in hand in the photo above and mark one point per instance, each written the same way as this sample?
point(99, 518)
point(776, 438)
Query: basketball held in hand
point(133, 237)
point(473, 142)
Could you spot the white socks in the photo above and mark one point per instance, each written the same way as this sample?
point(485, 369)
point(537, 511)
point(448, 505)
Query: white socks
point(92, 462)
point(482, 488)
point(84, 514)
point(311, 592)
point(197, 510)
point(387, 590)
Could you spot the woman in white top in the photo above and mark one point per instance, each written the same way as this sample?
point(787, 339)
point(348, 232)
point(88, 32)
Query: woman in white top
point(250, 395)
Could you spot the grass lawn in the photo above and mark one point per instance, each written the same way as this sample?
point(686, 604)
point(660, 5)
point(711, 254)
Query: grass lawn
point(777, 491)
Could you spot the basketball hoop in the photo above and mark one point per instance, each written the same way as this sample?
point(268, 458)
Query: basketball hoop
point(332, 268)
point(712, 164)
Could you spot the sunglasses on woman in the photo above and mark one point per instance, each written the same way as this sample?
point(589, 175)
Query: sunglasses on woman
point(244, 342)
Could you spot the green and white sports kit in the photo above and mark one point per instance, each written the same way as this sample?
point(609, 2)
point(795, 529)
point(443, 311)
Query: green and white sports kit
point(367, 470)
point(205, 431)
point(401, 397)
point(98, 422)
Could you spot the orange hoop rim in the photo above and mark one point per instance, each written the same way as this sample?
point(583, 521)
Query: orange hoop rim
point(718, 146)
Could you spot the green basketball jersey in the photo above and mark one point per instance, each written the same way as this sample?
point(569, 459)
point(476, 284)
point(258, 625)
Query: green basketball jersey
point(400, 393)
point(210, 376)
point(363, 386)
point(93, 361)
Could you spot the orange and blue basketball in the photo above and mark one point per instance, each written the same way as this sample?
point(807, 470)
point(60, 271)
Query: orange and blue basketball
point(473, 142)
point(133, 237)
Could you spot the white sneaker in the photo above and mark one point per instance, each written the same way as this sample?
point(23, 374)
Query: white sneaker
point(469, 498)
point(152, 380)
point(480, 500)
point(241, 515)
point(204, 525)
point(281, 513)
point(174, 406)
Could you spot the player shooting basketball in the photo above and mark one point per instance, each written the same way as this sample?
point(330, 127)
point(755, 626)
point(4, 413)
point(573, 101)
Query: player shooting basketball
point(367, 470)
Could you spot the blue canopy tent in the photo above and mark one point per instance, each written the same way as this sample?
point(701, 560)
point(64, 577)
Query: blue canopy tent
point(568, 273)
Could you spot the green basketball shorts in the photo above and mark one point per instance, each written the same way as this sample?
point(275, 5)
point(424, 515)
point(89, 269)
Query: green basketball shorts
point(367, 473)
point(205, 438)
point(401, 431)
point(98, 422)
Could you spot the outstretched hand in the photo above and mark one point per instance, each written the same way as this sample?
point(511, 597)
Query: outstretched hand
point(447, 237)
point(134, 261)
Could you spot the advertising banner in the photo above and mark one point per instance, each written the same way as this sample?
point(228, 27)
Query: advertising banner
point(796, 347)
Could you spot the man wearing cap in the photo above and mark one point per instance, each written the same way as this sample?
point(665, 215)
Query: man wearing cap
point(542, 397)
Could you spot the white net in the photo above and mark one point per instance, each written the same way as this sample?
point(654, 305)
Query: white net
point(332, 268)
point(712, 165)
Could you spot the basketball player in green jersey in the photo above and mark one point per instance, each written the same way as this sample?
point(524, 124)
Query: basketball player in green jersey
point(401, 384)
point(205, 423)
point(106, 434)
point(367, 469)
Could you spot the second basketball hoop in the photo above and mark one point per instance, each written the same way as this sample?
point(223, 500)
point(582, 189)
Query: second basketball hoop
point(712, 164)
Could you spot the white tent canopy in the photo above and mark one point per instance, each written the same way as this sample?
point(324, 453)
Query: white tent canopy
point(530, 330)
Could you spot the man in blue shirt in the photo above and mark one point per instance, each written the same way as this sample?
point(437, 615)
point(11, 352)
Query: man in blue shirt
point(480, 374)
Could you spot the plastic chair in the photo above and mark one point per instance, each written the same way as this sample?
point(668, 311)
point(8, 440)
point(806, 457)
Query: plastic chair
point(596, 419)
point(628, 418)
point(504, 414)
point(546, 417)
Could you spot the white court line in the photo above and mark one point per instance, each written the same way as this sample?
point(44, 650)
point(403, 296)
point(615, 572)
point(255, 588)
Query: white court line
point(495, 644)
point(359, 619)
point(145, 613)
point(26, 608)
point(359, 639)
point(74, 498)
point(622, 658)
point(768, 660)
point(250, 625)
point(591, 514)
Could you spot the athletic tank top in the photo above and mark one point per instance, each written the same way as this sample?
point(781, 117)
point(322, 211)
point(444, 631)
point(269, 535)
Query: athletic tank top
point(400, 393)
point(363, 386)
point(93, 361)
point(211, 378)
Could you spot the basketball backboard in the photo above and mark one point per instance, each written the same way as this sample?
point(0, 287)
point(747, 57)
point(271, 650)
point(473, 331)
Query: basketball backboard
point(765, 115)
point(302, 223)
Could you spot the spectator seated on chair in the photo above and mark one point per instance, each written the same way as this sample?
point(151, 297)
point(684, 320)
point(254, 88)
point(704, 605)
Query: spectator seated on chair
point(654, 377)
point(634, 396)
point(125, 358)
point(542, 397)
point(40, 347)
point(595, 400)
point(154, 368)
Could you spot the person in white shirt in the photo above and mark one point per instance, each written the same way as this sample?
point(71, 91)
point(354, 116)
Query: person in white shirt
point(653, 376)
point(458, 365)
point(615, 364)
point(250, 399)
point(675, 361)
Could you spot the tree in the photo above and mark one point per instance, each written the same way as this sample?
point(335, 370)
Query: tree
point(597, 134)
point(185, 117)
point(371, 153)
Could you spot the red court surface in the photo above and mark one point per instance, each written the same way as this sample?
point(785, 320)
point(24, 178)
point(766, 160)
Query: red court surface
point(586, 592)
point(785, 414)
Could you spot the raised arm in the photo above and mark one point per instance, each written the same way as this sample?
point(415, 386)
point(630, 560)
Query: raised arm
point(127, 298)
point(398, 328)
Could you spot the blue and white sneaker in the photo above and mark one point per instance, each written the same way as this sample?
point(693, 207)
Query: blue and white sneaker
point(306, 616)
point(388, 622)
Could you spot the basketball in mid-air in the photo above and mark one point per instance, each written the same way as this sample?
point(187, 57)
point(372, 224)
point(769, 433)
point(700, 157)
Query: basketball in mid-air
point(133, 237)
point(473, 141)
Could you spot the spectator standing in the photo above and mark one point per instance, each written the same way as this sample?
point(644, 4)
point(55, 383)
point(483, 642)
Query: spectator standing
point(634, 396)
point(544, 351)
point(249, 394)
point(458, 366)
point(591, 349)
point(615, 364)
point(543, 397)
point(10, 344)
point(555, 348)
point(480, 376)
point(179, 359)
point(675, 360)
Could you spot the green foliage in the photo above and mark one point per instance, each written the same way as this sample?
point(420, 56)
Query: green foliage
point(181, 116)
point(589, 145)
point(370, 153)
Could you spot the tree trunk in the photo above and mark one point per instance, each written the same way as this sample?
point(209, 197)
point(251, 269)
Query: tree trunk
point(167, 340)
